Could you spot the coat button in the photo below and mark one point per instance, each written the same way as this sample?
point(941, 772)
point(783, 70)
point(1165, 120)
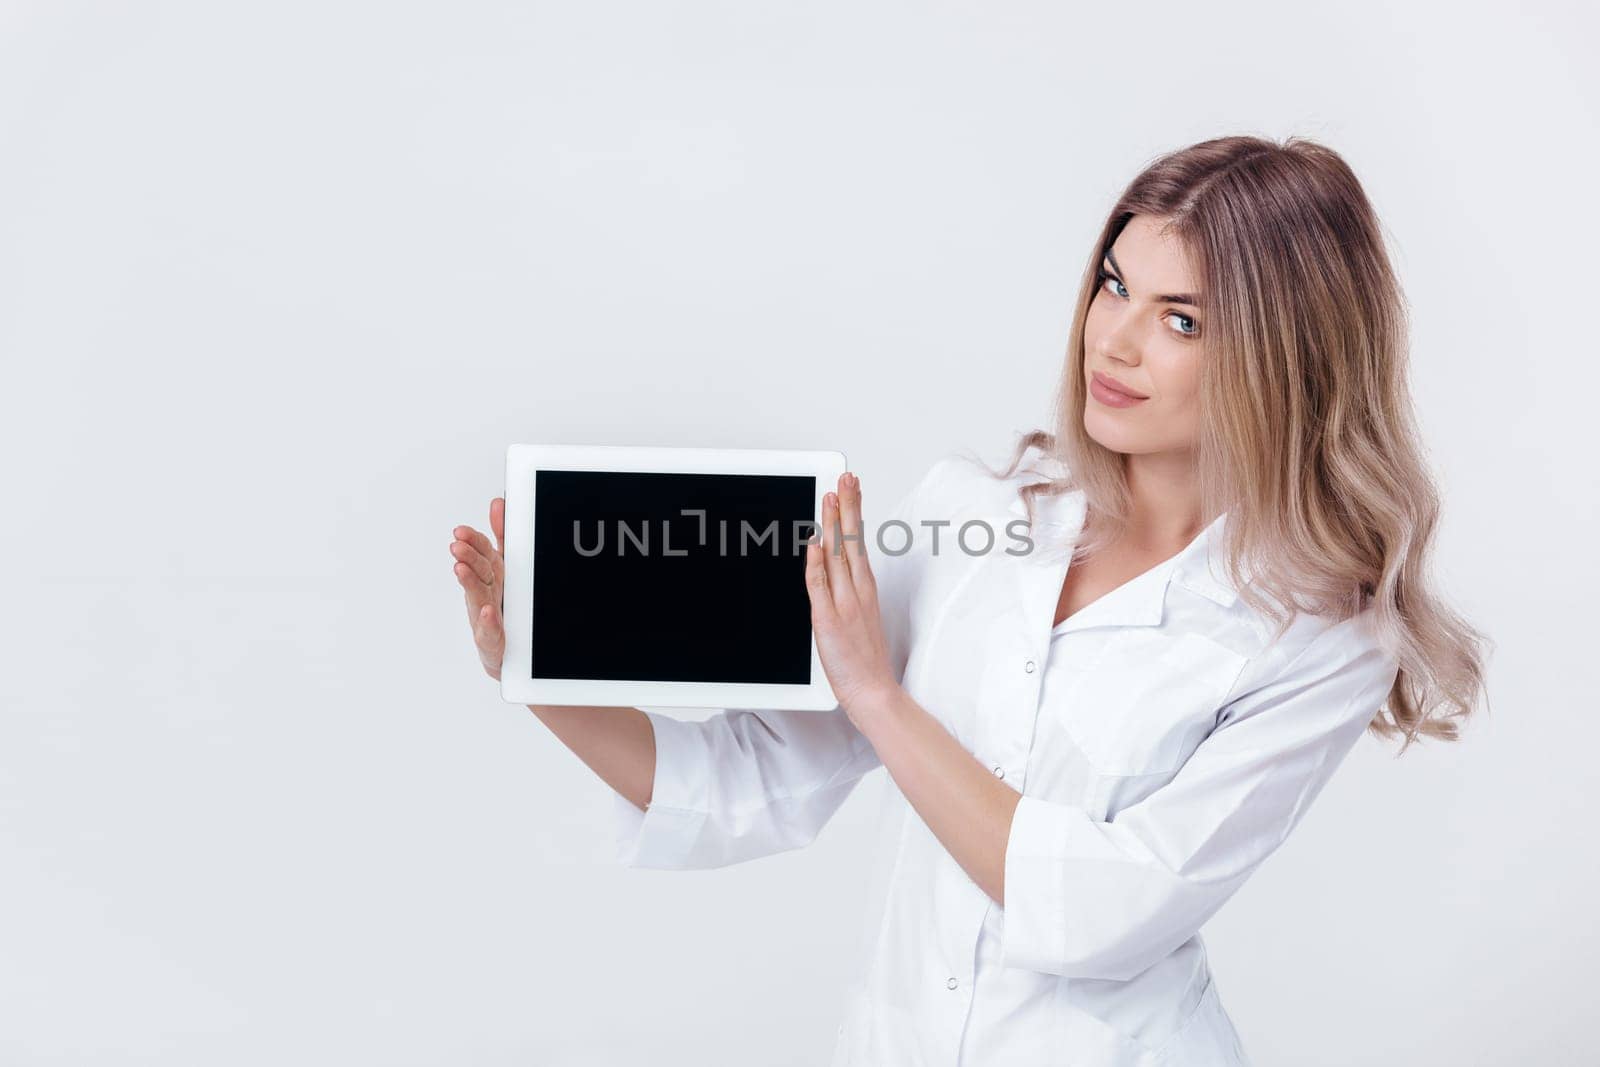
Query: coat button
point(1028, 666)
point(951, 984)
point(999, 771)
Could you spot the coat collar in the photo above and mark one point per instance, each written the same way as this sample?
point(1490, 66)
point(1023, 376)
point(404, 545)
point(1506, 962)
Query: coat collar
point(1141, 601)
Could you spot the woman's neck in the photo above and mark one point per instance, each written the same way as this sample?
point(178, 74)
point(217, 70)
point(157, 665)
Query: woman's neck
point(1165, 499)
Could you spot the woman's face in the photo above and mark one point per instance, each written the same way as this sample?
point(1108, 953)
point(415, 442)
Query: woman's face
point(1143, 334)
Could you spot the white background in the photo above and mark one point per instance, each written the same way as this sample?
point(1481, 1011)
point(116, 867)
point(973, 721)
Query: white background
point(279, 283)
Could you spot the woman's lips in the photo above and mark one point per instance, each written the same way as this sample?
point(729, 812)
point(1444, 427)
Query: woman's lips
point(1101, 389)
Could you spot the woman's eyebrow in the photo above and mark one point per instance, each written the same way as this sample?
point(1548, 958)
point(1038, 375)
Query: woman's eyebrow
point(1192, 299)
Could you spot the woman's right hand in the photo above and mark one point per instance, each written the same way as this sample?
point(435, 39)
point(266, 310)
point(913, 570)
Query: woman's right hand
point(481, 570)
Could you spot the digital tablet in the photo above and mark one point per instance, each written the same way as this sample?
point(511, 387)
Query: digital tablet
point(670, 577)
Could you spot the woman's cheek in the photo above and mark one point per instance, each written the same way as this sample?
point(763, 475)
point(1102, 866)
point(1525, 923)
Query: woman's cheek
point(1184, 417)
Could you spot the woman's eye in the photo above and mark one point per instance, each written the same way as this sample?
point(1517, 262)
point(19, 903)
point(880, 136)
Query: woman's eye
point(1104, 277)
point(1192, 330)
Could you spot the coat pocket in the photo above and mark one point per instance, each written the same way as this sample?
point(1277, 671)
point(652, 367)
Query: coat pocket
point(1149, 700)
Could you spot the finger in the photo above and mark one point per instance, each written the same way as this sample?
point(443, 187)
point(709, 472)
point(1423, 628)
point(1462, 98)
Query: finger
point(491, 625)
point(838, 567)
point(817, 584)
point(474, 561)
point(855, 546)
point(473, 591)
point(497, 521)
point(476, 592)
point(496, 559)
point(490, 634)
point(476, 539)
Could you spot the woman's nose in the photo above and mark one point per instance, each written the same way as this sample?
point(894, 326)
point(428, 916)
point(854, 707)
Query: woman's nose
point(1119, 349)
point(1119, 342)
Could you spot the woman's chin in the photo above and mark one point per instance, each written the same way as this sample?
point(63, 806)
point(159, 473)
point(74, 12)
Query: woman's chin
point(1112, 433)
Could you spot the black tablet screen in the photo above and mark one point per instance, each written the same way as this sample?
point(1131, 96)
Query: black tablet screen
point(672, 577)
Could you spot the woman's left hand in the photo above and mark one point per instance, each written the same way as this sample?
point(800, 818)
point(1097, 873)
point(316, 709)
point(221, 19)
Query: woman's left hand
point(844, 606)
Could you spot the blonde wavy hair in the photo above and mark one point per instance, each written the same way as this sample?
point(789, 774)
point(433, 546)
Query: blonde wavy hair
point(1307, 433)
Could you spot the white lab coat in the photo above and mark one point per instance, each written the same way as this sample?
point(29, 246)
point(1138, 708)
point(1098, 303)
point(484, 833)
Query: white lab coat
point(1163, 745)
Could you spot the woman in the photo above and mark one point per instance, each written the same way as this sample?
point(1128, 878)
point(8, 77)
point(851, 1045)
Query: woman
point(1093, 744)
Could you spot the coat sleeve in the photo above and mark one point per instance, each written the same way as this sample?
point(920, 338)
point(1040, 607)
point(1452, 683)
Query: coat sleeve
point(1106, 900)
point(747, 783)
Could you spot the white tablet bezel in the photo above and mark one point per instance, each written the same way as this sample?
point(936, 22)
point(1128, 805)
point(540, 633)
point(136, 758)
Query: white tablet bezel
point(522, 461)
